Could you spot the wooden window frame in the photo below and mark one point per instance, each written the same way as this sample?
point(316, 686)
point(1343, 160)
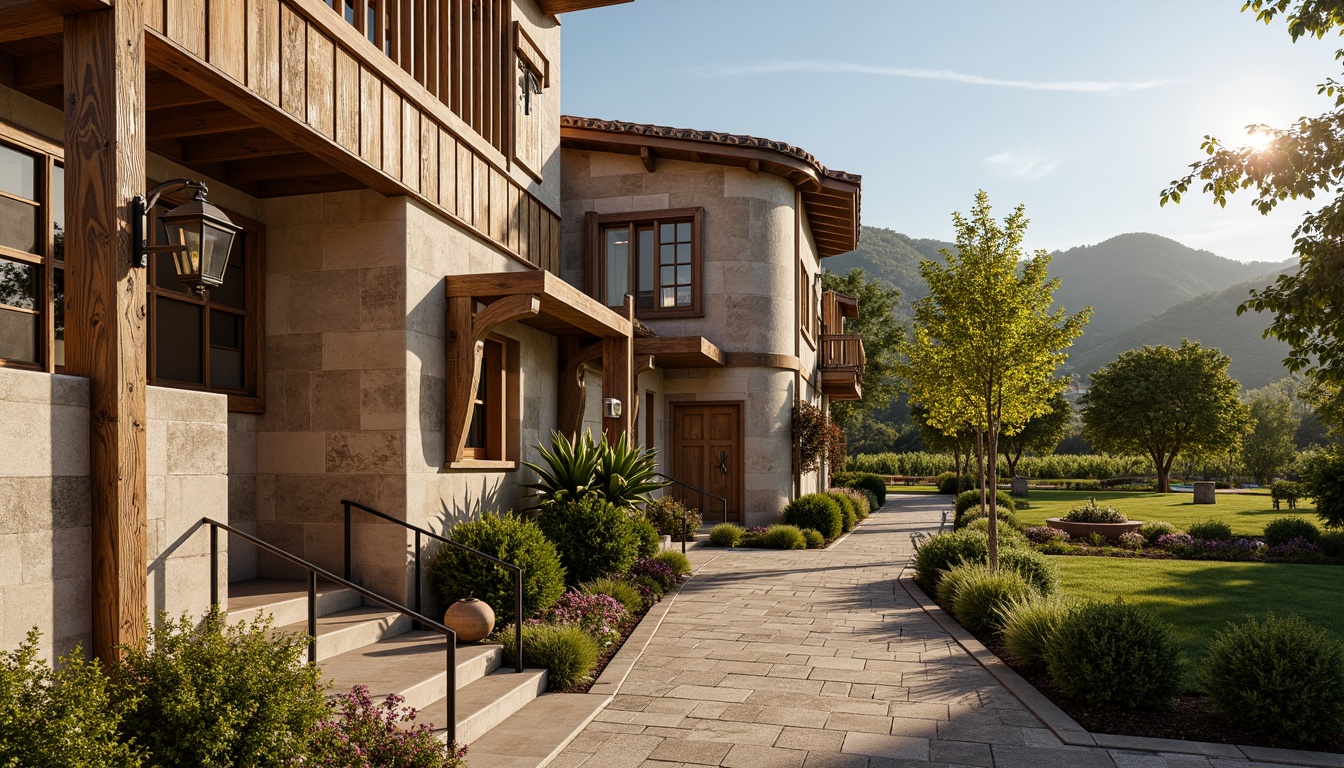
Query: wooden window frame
point(501, 361)
point(527, 57)
point(251, 398)
point(48, 155)
point(806, 306)
point(596, 261)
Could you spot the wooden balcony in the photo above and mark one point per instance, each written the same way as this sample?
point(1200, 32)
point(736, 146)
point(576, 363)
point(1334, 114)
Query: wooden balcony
point(841, 362)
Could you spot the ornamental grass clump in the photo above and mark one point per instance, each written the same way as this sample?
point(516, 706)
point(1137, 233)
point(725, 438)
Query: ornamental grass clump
point(1092, 513)
point(679, 562)
point(814, 538)
point(944, 551)
point(566, 651)
point(782, 537)
point(364, 734)
point(1115, 655)
point(622, 591)
point(1285, 529)
point(601, 616)
point(1279, 677)
point(1008, 535)
point(980, 598)
point(1028, 628)
point(726, 535)
point(1036, 568)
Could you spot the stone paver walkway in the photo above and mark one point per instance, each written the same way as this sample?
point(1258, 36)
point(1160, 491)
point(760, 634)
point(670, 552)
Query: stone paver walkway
point(818, 659)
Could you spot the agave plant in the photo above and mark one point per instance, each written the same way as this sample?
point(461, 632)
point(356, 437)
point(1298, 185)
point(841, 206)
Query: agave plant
point(571, 466)
point(625, 474)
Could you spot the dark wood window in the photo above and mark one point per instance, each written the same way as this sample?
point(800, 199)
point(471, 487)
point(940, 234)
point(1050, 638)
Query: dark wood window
point(213, 341)
point(655, 257)
point(32, 274)
point(494, 432)
point(808, 318)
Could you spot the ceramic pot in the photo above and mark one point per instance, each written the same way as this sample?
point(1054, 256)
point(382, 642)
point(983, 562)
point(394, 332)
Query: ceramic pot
point(472, 620)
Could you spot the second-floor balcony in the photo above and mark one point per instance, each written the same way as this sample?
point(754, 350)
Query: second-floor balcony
point(841, 362)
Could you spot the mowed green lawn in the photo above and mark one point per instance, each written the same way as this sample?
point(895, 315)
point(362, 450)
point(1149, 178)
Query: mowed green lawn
point(1247, 513)
point(1198, 598)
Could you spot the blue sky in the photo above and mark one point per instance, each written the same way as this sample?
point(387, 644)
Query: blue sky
point(1083, 110)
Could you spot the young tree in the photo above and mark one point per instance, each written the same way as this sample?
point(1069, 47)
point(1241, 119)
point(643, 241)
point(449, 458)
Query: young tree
point(961, 444)
point(1299, 161)
point(986, 339)
point(1268, 447)
point(881, 334)
point(1161, 402)
point(1040, 435)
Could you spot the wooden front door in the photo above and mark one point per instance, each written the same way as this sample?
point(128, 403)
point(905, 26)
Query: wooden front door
point(707, 454)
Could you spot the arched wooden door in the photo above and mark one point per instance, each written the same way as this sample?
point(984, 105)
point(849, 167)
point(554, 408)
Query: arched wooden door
point(707, 453)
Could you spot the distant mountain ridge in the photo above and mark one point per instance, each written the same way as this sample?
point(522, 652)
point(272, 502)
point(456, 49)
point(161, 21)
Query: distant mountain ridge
point(1143, 289)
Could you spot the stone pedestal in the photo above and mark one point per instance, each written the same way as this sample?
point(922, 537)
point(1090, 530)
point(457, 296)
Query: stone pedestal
point(1019, 487)
point(1204, 492)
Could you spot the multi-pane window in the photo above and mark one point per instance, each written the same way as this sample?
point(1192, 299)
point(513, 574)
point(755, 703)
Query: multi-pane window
point(32, 276)
point(495, 430)
point(656, 260)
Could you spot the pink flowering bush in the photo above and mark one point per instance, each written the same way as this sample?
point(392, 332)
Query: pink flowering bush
point(660, 576)
point(599, 615)
point(362, 734)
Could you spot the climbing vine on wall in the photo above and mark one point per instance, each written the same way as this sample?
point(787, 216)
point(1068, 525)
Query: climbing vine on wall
point(816, 438)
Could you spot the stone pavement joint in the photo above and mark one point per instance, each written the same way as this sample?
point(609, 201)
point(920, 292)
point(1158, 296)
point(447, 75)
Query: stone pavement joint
point(820, 659)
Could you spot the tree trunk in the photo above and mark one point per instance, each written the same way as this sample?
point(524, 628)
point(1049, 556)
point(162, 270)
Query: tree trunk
point(993, 451)
point(1163, 479)
point(980, 465)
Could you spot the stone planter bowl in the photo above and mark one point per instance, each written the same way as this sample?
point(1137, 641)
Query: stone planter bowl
point(471, 619)
point(1111, 531)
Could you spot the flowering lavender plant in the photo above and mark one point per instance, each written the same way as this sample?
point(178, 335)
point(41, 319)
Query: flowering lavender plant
point(599, 615)
point(1295, 548)
point(663, 576)
point(1132, 540)
point(362, 734)
point(1041, 534)
point(1175, 543)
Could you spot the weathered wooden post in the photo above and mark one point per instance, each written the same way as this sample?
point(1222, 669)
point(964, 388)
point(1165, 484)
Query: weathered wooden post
point(1205, 493)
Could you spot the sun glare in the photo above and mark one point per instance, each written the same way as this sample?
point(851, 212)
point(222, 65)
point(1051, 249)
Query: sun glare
point(1258, 141)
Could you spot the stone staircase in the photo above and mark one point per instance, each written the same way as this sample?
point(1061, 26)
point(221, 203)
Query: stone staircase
point(501, 714)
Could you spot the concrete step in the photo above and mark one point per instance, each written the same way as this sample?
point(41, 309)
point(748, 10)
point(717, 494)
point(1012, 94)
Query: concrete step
point(286, 601)
point(486, 702)
point(535, 734)
point(353, 628)
point(413, 664)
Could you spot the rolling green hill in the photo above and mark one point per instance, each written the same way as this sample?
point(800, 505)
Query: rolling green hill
point(891, 257)
point(1212, 319)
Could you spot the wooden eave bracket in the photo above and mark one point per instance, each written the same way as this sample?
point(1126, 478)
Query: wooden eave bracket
point(647, 158)
point(466, 341)
point(572, 394)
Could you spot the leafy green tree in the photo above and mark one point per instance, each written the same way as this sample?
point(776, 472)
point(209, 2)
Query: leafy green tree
point(881, 333)
point(1040, 435)
point(1268, 447)
point(1323, 481)
point(1299, 161)
point(987, 339)
point(960, 443)
point(1161, 402)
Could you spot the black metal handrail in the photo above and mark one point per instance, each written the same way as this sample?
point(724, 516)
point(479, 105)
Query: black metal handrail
point(419, 532)
point(703, 493)
point(313, 573)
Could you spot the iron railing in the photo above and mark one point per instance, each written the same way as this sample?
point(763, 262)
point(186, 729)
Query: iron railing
point(314, 573)
point(419, 532)
point(703, 493)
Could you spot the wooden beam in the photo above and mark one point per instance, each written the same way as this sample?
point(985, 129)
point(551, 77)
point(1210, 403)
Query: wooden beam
point(618, 378)
point(172, 94)
point(22, 24)
point(236, 146)
point(466, 341)
point(197, 121)
point(308, 185)
point(559, 300)
point(105, 302)
point(34, 73)
point(554, 7)
point(571, 389)
point(754, 165)
point(646, 157)
point(271, 168)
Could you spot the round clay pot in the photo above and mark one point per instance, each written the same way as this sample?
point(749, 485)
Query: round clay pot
point(471, 619)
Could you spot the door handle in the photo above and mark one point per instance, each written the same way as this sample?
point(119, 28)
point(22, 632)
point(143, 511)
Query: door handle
point(723, 461)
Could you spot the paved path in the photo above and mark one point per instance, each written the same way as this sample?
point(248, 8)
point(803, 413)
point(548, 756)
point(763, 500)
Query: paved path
point(818, 659)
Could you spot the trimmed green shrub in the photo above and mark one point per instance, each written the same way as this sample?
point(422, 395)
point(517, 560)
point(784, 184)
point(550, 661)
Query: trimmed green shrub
point(1035, 567)
point(868, 481)
point(849, 516)
point(1156, 529)
point(215, 696)
point(943, 551)
point(818, 511)
point(1285, 529)
point(873, 503)
point(1008, 535)
point(1028, 628)
point(863, 501)
point(967, 500)
point(1006, 517)
point(679, 562)
point(1331, 543)
point(618, 589)
point(62, 718)
point(1091, 512)
point(665, 512)
point(593, 536)
point(1115, 655)
point(726, 535)
point(1279, 677)
point(647, 535)
point(814, 538)
point(979, 599)
point(782, 537)
point(565, 650)
point(949, 483)
point(1211, 529)
point(456, 574)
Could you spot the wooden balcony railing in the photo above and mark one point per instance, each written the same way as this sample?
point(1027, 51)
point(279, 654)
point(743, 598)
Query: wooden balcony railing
point(842, 350)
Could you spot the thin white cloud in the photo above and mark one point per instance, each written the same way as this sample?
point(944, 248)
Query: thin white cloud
point(841, 67)
point(1021, 165)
